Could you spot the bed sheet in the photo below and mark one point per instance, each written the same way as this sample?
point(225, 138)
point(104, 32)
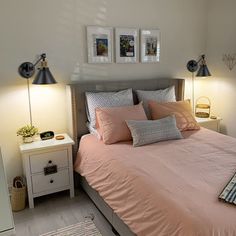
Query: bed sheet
point(166, 188)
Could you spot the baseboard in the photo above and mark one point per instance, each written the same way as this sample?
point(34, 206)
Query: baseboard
point(9, 232)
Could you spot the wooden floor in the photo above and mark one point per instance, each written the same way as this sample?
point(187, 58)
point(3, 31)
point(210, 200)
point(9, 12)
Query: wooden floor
point(56, 211)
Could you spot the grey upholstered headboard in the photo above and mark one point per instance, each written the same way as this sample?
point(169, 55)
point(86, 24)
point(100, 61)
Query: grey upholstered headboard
point(76, 98)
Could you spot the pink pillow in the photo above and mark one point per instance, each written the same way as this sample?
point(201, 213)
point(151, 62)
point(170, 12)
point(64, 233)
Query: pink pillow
point(182, 111)
point(111, 125)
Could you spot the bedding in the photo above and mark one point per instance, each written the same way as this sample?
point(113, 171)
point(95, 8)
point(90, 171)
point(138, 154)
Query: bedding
point(152, 131)
point(110, 122)
point(166, 188)
point(160, 95)
point(105, 99)
point(182, 110)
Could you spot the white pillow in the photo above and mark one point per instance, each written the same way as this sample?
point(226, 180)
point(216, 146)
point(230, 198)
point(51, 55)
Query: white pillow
point(161, 95)
point(106, 99)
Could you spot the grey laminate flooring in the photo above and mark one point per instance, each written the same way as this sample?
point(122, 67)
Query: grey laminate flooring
point(56, 211)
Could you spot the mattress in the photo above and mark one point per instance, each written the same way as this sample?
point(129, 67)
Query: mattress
point(166, 188)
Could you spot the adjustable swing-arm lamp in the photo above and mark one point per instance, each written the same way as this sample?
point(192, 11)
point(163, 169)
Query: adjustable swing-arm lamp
point(44, 76)
point(203, 71)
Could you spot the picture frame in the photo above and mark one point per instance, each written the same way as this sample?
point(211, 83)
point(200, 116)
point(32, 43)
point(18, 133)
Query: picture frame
point(126, 45)
point(99, 44)
point(150, 45)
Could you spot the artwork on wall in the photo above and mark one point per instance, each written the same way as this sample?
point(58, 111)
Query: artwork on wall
point(229, 60)
point(100, 45)
point(150, 45)
point(99, 41)
point(126, 45)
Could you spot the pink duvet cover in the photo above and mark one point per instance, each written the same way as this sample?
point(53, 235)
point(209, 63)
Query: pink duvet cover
point(167, 188)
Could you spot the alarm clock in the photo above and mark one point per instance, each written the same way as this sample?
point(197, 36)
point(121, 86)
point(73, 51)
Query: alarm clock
point(47, 135)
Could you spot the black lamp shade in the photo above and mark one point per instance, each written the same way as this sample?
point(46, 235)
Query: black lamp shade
point(203, 71)
point(44, 76)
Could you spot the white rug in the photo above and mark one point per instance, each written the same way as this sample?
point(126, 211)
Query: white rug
point(85, 228)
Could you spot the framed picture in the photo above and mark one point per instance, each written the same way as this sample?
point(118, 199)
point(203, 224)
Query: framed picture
point(150, 45)
point(99, 41)
point(126, 45)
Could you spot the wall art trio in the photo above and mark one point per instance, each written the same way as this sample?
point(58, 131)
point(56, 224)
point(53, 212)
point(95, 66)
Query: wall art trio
point(100, 45)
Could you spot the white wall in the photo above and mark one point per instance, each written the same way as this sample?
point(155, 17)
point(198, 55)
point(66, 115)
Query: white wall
point(221, 39)
point(57, 27)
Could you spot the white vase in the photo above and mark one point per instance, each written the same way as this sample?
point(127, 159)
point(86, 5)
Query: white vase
point(28, 139)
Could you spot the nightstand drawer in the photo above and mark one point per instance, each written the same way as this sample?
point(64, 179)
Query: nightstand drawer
point(39, 161)
point(48, 182)
point(210, 125)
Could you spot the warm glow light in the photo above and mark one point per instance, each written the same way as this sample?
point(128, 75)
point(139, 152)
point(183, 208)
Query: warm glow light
point(213, 88)
point(47, 103)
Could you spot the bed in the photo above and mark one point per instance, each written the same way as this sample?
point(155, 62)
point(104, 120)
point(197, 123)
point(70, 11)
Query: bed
point(167, 188)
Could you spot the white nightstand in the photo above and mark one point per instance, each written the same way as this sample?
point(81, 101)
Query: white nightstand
point(40, 154)
point(208, 123)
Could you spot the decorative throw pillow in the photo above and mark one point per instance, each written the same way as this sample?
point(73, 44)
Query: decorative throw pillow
point(152, 131)
point(111, 122)
point(161, 95)
point(182, 111)
point(106, 99)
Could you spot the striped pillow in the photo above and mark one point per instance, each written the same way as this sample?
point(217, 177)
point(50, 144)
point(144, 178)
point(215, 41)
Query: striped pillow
point(152, 131)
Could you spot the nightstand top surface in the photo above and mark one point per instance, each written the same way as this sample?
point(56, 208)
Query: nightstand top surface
point(199, 120)
point(43, 144)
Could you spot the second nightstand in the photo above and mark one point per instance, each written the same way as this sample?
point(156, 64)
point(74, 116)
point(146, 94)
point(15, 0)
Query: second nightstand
point(40, 154)
point(208, 123)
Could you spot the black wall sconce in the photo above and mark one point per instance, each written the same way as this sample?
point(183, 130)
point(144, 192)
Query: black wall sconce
point(203, 71)
point(44, 76)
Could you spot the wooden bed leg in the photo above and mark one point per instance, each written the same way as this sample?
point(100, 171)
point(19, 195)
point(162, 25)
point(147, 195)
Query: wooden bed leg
point(114, 231)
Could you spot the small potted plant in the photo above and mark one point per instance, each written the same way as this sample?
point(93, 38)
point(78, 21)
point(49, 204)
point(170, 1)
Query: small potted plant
point(27, 132)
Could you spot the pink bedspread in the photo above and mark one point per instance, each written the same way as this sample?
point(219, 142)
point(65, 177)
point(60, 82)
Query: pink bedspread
point(168, 188)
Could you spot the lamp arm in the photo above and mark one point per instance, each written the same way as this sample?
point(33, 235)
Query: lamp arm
point(201, 59)
point(27, 69)
point(42, 57)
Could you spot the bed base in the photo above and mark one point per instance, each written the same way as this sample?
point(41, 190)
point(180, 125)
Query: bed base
point(118, 226)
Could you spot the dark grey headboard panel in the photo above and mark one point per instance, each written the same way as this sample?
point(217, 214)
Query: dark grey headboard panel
point(76, 97)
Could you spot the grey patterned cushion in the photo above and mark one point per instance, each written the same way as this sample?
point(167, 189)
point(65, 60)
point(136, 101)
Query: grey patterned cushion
point(152, 131)
point(106, 99)
point(161, 95)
